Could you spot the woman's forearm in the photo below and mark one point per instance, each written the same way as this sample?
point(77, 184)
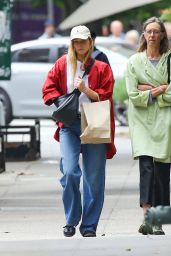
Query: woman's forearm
point(80, 85)
point(144, 87)
point(91, 94)
point(155, 91)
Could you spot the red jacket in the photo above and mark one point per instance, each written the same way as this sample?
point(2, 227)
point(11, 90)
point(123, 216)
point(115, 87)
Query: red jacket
point(100, 80)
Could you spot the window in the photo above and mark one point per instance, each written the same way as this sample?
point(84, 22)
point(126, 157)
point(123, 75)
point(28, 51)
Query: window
point(31, 55)
point(57, 51)
point(62, 50)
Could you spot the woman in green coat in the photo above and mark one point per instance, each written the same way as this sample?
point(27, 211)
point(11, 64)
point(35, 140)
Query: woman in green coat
point(149, 116)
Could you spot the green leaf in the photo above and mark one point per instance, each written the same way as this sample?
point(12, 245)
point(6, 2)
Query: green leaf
point(166, 14)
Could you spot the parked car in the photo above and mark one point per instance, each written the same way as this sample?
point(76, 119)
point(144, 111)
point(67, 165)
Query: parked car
point(31, 61)
point(116, 45)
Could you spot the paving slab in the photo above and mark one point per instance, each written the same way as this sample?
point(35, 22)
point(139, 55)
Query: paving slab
point(115, 246)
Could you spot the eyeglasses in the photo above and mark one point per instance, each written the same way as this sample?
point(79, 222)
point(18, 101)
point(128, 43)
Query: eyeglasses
point(155, 32)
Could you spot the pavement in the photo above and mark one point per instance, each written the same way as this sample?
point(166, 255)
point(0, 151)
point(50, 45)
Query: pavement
point(31, 209)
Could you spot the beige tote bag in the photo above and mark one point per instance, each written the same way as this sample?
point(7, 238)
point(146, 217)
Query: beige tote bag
point(95, 122)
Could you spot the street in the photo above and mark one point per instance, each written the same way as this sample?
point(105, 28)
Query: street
point(31, 210)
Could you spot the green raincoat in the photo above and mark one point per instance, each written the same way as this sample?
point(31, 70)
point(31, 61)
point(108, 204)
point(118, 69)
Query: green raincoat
point(149, 124)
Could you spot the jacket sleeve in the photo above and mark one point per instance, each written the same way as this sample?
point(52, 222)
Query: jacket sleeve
point(138, 98)
point(105, 90)
point(51, 87)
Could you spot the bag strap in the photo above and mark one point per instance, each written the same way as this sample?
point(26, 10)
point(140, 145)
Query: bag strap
point(87, 70)
point(168, 67)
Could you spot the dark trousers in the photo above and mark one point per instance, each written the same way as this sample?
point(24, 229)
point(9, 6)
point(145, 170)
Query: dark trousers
point(154, 182)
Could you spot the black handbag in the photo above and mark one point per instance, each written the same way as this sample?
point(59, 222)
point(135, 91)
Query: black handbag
point(168, 67)
point(67, 108)
point(68, 104)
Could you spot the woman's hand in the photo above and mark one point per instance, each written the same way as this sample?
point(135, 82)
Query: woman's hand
point(80, 85)
point(144, 87)
point(164, 87)
point(158, 90)
point(155, 91)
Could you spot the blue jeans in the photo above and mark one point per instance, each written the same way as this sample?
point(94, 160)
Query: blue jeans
point(89, 209)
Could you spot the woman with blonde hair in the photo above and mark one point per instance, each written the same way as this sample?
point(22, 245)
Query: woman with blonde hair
point(98, 84)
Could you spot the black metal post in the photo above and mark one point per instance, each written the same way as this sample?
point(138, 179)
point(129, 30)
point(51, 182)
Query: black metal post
point(2, 153)
point(37, 126)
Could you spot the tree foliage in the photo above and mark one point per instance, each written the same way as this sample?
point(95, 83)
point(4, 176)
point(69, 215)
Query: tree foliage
point(39, 3)
point(166, 14)
point(136, 16)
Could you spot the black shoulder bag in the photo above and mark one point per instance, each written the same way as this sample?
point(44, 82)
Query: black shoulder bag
point(68, 104)
point(168, 67)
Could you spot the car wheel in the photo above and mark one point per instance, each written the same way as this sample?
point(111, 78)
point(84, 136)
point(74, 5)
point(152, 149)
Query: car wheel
point(7, 106)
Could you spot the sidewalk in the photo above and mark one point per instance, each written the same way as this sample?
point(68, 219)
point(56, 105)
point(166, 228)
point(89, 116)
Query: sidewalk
point(115, 246)
point(32, 217)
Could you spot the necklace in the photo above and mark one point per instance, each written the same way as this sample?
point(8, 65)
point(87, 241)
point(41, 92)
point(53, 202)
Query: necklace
point(157, 57)
point(152, 55)
point(153, 58)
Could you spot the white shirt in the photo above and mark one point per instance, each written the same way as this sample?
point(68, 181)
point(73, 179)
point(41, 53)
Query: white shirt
point(70, 81)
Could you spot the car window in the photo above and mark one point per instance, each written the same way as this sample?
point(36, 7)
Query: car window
point(57, 51)
point(62, 50)
point(123, 49)
point(31, 55)
point(117, 61)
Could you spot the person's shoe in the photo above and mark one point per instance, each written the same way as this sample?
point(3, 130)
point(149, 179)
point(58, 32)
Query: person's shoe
point(157, 230)
point(69, 231)
point(145, 229)
point(89, 233)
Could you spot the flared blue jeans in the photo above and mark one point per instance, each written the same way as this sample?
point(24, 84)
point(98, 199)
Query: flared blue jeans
point(86, 208)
